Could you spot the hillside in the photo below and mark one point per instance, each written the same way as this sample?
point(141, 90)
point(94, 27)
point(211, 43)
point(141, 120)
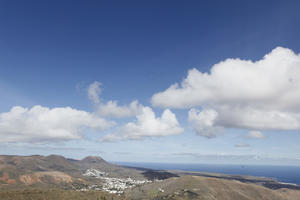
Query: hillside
point(55, 177)
point(56, 171)
point(39, 194)
point(207, 188)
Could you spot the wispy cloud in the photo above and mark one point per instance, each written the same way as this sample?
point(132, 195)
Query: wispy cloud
point(255, 135)
point(242, 145)
point(111, 108)
point(237, 158)
point(215, 155)
point(122, 153)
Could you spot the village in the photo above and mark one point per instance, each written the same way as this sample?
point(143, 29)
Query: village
point(112, 184)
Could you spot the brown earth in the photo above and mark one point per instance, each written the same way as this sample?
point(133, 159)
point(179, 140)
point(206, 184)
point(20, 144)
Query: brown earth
point(39, 175)
point(6, 179)
point(206, 188)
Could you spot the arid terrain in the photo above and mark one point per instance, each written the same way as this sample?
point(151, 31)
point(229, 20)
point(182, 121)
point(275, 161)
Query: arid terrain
point(56, 177)
point(199, 187)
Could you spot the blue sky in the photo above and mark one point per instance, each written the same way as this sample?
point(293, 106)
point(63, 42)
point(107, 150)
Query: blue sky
point(52, 52)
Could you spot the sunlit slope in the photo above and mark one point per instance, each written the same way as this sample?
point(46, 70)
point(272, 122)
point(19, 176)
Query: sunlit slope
point(54, 171)
point(205, 188)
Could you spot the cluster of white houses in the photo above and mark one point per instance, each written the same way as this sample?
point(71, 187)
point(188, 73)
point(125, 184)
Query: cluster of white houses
point(112, 184)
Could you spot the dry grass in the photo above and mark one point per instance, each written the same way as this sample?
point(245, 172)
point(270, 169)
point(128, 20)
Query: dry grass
point(204, 188)
point(56, 195)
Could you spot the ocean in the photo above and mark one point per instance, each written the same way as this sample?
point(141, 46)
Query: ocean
point(287, 174)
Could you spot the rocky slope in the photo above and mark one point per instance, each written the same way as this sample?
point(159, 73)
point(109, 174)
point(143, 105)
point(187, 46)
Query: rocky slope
point(35, 177)
point(208, 188)
point(55, 171)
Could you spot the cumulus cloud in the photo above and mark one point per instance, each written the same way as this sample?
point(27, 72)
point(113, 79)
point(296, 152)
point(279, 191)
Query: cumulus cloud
point(274, 79)
point(147, 125)
point(255, 95)
point(111, 108)
point(40, 124)
point(203, 122)
point(255, 135)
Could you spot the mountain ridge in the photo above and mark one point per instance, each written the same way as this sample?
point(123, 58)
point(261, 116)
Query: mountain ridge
point(54, 170)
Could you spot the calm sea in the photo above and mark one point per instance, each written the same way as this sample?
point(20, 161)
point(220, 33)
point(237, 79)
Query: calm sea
point(288, 174)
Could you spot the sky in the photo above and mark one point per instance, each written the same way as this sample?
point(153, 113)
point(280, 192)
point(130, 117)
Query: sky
point(151, 81)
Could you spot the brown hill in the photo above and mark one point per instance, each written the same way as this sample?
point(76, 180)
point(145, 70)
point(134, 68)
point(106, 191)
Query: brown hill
point(207, 188)
point(54, 171)
point(36, 163)
point(93, 160)
point(41, 173)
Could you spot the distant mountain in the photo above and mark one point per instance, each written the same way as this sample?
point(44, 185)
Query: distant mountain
point(55, 171)
point(36, 163)
point(93, 160)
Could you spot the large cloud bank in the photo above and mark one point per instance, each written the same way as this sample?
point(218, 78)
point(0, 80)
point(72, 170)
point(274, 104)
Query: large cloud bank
point(147, 125)
point(260, 95)
point(40, 124)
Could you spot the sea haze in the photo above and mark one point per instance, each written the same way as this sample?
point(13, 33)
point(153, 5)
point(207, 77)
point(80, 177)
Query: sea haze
point(287, 174)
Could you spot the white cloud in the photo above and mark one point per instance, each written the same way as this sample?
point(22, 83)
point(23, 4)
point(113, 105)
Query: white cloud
point(234, 158)
point(260, 95)
point(203, 122)
point(242, 145)
point(94, 91)
point(274, 79)
point(255, 135)
point(147, 125)
point(111, 108)
point(217, 156)
point(40, 124)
